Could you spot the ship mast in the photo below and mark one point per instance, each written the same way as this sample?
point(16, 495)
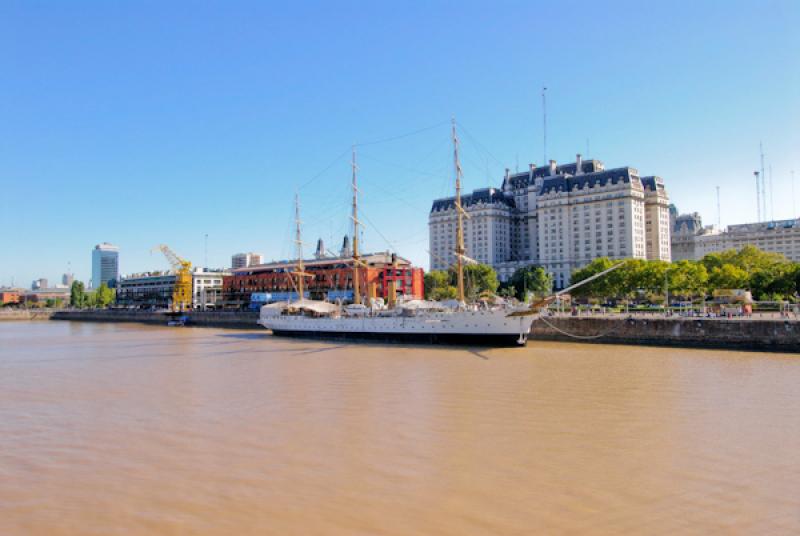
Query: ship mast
point(356, 261)
point(299, 268)
point(459, 219)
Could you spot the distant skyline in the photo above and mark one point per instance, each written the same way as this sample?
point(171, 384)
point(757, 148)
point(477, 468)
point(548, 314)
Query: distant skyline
point(146, 123)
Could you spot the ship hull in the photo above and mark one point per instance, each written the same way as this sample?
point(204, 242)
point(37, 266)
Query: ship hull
point(476, 327)
point(454, 339)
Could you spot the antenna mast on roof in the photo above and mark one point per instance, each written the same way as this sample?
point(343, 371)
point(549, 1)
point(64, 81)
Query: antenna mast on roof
point(763, 183)
point(794, 210)
point(544, 125)
point(719, 212)
point(771, 203)
point(758, 195)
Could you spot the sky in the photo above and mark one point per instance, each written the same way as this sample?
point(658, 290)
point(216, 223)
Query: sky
point(195, 124)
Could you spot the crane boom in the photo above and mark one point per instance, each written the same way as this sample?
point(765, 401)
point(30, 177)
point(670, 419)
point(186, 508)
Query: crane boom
point(182, 293)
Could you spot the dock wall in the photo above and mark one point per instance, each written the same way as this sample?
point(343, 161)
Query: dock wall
point(237, 319)
point(752, 334)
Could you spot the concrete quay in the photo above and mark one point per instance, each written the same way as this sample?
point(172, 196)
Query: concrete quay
point(216, 319)
point(770, 334)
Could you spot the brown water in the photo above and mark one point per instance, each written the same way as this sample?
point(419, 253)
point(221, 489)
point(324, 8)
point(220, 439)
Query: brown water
point(125, 429)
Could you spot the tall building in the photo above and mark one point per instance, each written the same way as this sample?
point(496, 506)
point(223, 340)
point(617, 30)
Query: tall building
point(105, 265)
point(692, 241)
point(558, 217)
point(243, 260)
point(67, 279)
point(40, 283)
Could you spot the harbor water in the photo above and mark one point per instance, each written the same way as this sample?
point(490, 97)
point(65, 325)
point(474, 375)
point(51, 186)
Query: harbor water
point(109, 428)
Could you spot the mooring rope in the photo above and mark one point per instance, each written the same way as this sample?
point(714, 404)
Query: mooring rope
point(572, 335)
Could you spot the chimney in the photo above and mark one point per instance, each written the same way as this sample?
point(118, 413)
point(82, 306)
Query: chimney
point(345, 247)
point(531, 167)
point(320, 249)
point(578, 164)
point(552, 168)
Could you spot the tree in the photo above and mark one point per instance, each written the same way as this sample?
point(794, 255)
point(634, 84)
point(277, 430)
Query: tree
point(479, 280)
point(103, 296)
point(530, 279)
point(434, 281)
point(728, 276)
point(687, 278)
point(601, 287)
point(77, 295)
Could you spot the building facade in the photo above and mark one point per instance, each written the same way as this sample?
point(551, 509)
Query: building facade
point(692, 241)
point(558, 217)
point(207, 288)
point(105, 265)
point(153, 290)
point(243, 260)
point(330, 278)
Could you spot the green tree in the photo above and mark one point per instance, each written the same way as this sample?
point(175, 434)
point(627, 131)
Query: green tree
point(599, 288)
point(728, 276)
point(434, 281)
point(77, 294)
point(687, 278)
point(531, 279)
point(104, 296)
point(479, 280)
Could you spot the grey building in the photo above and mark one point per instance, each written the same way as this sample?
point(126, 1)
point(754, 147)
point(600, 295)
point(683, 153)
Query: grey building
point(692, 241)
point(105, 265)
point(243, 260)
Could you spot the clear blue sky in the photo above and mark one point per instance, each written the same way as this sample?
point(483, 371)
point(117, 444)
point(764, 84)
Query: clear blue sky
point(141, 123)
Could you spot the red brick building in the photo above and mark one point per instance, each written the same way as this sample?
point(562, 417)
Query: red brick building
point(332, 278)
point(9, 296)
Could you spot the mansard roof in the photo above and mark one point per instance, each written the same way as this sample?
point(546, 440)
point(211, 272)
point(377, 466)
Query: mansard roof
point(653, 183)
point(484, 195)
point(523, 179)
point(566, 183)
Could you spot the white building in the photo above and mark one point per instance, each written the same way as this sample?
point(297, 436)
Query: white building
point(207, 288)
point(105, 265)
point(559, 217)
point(243, 260)
point(692, 241)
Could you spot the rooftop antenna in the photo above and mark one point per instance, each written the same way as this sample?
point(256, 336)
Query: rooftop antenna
point(587, 149)
point(763, 182)
point(517, 168)
point(205, 252)
point(771, 204)
point(794, 210)
point(719, 212)
point(544, 125)
point(758, 195)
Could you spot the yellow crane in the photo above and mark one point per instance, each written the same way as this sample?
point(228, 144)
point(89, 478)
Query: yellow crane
point(182, 294)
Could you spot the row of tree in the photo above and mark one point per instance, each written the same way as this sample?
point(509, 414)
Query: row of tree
point(100, 297)
point(769, 276)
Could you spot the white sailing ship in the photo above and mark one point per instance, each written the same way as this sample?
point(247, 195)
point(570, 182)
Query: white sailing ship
point(496, 323)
